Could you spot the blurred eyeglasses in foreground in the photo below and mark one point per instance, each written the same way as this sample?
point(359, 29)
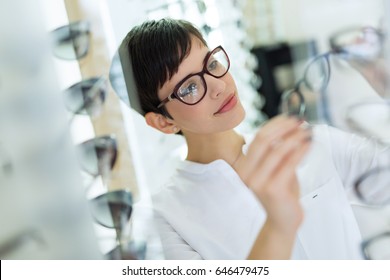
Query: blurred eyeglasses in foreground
point(356, 44)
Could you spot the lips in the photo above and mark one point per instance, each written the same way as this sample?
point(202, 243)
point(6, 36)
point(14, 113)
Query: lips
point(228, 104)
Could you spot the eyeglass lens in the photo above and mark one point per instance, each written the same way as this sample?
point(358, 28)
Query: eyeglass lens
point(194, 88)
point(316, 78)
point(293, 103)
point(317, 73)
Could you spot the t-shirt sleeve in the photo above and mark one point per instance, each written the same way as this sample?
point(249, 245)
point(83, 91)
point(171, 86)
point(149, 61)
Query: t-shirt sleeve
point(174, 246)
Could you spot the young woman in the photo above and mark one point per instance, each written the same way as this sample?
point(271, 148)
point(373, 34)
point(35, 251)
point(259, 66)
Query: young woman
point(278, 194)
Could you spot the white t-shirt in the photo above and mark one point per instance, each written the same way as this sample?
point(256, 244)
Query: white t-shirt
point(205, 211)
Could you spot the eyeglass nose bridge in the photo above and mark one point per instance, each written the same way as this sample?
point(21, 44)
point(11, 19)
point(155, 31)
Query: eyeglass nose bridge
point(217, 83)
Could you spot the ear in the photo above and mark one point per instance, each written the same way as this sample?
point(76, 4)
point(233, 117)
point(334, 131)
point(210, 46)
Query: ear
point(161, 123)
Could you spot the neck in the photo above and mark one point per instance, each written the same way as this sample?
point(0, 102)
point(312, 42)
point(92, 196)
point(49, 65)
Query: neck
point(207, 148)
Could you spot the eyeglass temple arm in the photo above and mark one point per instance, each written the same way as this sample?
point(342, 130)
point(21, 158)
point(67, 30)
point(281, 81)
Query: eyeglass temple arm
point(166, 100)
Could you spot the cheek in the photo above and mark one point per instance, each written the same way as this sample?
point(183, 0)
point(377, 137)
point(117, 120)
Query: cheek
point(230, 80)
point(192, 118)
point(185, 114)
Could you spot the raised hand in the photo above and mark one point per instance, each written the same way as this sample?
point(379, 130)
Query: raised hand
point(269, 169)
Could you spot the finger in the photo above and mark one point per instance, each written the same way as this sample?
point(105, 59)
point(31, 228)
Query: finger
point(278, 156)
point(280, 128)
point(281, 151)
point(286, 173)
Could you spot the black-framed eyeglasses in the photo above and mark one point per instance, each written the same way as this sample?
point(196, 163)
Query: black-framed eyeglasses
point(193, 88)
point(377, 247)
point(357, 44)
point(373, 186)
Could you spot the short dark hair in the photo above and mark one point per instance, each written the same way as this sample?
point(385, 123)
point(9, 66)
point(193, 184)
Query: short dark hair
point(156, 49)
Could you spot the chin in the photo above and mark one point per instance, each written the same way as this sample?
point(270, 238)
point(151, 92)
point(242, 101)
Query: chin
point(238, 117)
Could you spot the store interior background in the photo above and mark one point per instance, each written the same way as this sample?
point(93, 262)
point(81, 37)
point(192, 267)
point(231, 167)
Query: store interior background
point(44, 214)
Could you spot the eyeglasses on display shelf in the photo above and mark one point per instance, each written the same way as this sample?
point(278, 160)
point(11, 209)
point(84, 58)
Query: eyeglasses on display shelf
point(113, 210)
point(357, 44)
point(97, 157)
point(377, 247)
point(86, 97)
point(71, 41)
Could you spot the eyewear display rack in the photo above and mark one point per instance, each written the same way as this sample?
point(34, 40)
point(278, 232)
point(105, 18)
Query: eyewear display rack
point(43, 209)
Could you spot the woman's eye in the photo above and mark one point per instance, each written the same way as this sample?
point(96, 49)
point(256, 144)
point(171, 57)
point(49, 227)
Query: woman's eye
point(212, 65)
point(190, 89)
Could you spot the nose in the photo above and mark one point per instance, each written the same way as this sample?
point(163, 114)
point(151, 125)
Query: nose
point(215, 86)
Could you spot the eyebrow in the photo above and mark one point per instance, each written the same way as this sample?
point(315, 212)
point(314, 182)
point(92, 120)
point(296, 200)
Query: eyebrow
point(203, 63)
point(206, 57)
